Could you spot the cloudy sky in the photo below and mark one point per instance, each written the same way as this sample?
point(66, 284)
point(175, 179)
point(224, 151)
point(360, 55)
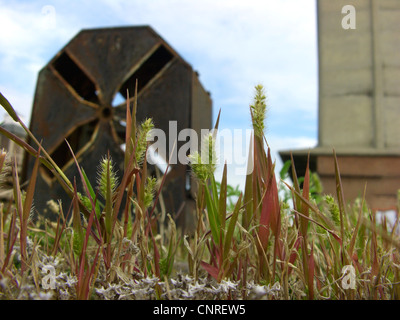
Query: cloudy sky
point(233, 44)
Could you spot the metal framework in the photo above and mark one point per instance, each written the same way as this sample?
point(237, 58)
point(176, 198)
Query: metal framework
point(81, 97)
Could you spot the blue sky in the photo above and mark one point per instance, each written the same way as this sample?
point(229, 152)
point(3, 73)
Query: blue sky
point(234, 45)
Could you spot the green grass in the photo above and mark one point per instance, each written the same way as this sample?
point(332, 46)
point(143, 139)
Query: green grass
point(273, 241)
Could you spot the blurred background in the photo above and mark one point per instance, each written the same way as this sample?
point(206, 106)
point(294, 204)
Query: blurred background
point(233, 45)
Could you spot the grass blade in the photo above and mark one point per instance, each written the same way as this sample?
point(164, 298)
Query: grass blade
point(231, 227)
point(76, 222)
point(97, 202)
point(304, 208)
point(223, 198)
point(248, 190)
point(311, 270)
point(270, 210)
point(20, 213)
point(328, 224)
point(31, 188)
point(355, 232)
point(212, 271)
point(7, 106)
point(212, 214)
point(340, 196)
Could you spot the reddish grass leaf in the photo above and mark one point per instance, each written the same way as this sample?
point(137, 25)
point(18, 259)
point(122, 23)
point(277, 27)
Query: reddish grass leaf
point(212, 271)
point(306, 195)
point(270, 210)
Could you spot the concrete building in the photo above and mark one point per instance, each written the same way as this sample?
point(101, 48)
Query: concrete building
point(359, 100)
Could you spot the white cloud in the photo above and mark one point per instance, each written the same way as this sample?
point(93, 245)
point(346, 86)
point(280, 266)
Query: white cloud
point(28, 41)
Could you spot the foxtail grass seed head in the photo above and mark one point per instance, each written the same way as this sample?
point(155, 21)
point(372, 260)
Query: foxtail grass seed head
point(198, 168)
point(208, 152)
point(106, 165)
point(204, 165)
point(149, 191)
point(142, 138)
point(259, 110)
point(333, 209)
point(85, 200)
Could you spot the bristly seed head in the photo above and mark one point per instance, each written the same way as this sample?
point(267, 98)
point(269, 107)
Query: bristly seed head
point(142, 136)
point(149, 191)
point(333, 209)
point(106, 165)
point(259, 110)
point(204, 165)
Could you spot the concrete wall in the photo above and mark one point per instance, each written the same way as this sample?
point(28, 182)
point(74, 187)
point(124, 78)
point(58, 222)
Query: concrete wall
point(359, 87)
